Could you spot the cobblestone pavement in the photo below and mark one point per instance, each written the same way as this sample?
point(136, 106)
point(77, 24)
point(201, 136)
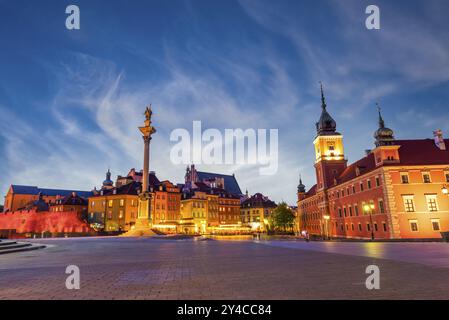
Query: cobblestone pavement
point(131, 268)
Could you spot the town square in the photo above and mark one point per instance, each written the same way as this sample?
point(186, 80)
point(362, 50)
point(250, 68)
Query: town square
point(240, 150)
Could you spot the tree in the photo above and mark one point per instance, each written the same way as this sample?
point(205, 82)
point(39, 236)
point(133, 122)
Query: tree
point(283, 217)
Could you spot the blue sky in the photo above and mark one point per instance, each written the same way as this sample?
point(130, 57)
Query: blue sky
point(70, 101)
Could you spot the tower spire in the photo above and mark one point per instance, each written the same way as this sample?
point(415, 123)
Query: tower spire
point(301, 186)
point(381, 120)
point(323, 99)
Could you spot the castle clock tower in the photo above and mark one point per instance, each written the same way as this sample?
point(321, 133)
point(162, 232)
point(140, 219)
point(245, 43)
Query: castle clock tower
point(329, 150)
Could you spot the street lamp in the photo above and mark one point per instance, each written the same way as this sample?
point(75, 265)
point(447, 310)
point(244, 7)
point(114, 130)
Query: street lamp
point(326, 219)
point(445, 191)
point(369, 208)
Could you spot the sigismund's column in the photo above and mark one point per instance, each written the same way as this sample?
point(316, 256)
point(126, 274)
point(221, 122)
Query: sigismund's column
point(143, 222)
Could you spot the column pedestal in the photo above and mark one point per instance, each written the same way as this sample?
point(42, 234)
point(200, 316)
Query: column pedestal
point(142, 228)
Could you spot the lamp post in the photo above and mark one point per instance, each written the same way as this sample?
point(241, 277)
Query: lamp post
point(445, 190)
point(326, 219)
point(368, 208)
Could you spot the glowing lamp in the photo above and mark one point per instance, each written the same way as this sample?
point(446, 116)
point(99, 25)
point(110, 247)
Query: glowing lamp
point(326, 217)
point(445, 190)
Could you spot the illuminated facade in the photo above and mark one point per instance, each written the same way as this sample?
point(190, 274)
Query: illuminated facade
point(206, 209)
point(116, 208)
point(394, 192)
point(256, 212)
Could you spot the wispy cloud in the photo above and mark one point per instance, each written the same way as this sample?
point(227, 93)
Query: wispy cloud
point(266, 76)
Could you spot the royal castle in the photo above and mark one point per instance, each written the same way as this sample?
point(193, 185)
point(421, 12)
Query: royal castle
point(397, 191)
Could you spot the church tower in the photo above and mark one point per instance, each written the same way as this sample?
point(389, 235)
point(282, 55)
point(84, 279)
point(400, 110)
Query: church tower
point(329, 150)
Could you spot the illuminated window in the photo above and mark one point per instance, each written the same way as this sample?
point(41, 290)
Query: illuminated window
point(426, 178)
point(120, 216)
point(435, 224)
point(404, 178)
point(413, 225)
point(110, 203)
point(432, 204)
point(122, 202)
point(109, 214)
point(93, 204)
point(409, 203)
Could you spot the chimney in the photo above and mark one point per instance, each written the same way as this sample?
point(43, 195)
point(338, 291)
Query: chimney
point(439, 141)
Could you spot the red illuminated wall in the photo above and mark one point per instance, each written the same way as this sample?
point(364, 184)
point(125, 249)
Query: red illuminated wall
point(35, 222)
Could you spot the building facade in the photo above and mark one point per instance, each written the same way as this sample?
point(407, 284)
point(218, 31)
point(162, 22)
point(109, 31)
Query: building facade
point(18, 196)
point(115, 208)
point(256, 212)
point(394, 192)
point(72, 202)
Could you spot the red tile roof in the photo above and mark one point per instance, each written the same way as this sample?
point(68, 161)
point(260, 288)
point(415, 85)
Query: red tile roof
point(422, 152)
point(311, 192)
point(365, 165)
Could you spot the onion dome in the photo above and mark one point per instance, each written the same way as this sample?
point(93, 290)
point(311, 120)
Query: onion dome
point(384, 136)
point(108, 182)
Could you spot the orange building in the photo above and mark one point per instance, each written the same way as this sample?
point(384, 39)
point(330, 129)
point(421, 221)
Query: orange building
point(166, 206)
point(394, 192)
point(115, 208)
point(228, 209)
point(19, 196)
